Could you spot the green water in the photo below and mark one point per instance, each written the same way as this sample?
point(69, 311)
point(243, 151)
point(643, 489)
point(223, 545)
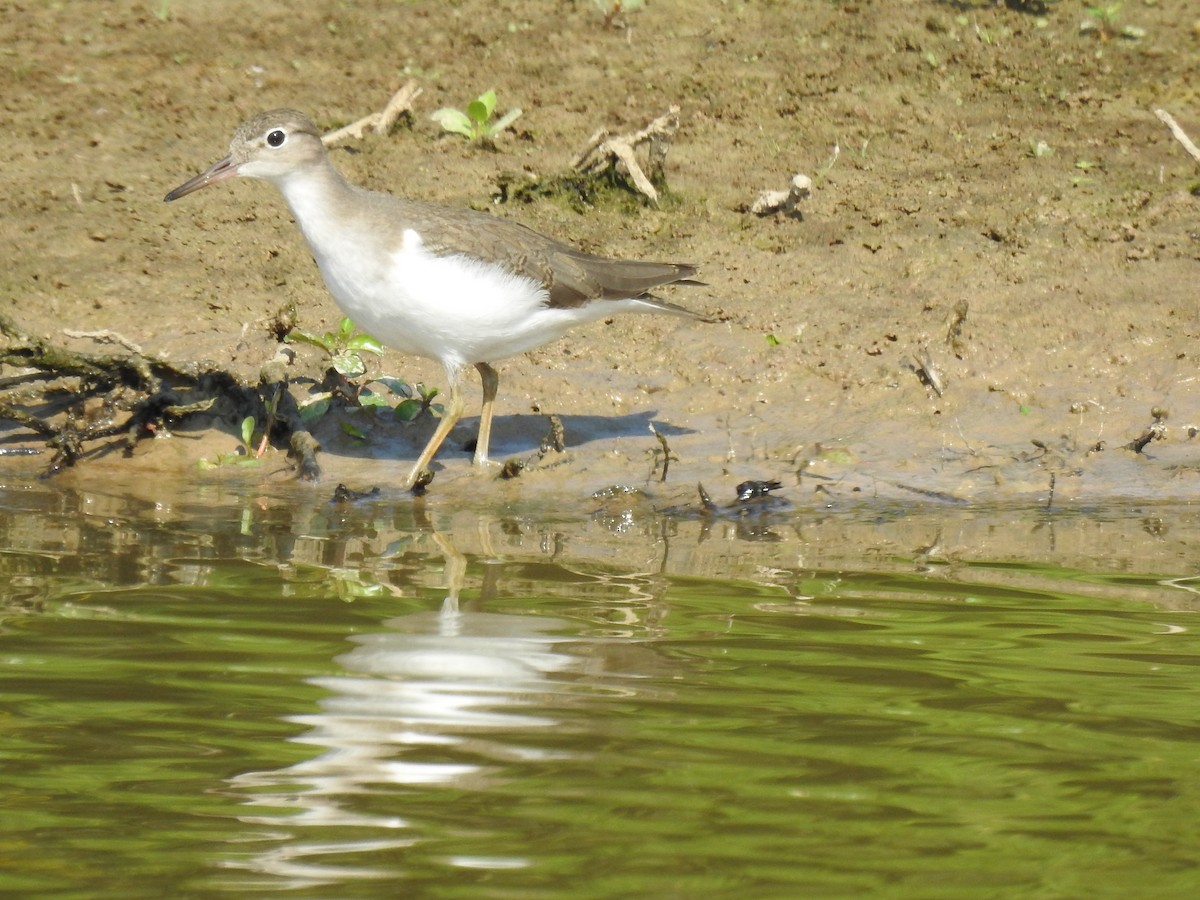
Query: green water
point(269, 695)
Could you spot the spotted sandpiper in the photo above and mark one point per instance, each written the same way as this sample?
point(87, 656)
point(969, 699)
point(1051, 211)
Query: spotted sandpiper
point(455, 285)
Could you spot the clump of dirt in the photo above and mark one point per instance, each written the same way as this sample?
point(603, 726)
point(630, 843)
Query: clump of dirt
point(993, 282)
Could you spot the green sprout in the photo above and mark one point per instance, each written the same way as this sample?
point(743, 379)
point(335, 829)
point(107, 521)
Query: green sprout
point(475, 124)
point(415, 399)
point(345, 348)
point(1103, 20)
point(1084, 166)
point(418, 400)
point(245, 455)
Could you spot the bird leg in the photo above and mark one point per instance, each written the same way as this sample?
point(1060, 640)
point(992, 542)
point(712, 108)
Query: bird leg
point(449, 419)
point(491, 383)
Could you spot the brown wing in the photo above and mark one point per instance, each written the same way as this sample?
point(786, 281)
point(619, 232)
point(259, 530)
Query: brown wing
point(571, 276)
point(579, 277)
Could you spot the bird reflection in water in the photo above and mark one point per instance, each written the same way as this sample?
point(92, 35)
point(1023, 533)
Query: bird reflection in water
point(448, 698)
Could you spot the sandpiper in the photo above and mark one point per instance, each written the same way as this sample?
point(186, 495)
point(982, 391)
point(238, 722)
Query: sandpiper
point(455, 285)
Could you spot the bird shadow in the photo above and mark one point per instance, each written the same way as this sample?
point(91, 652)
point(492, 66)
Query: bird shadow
point(512, 435)
point(518, 434)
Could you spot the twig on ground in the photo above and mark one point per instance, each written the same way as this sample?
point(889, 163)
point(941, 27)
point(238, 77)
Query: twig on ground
point(1180, 135)
point(769, 202)
point(379, 122)
point(928, 372)
point(603, 152)
point(105, 337)
point(556, 437)
point(667, 455)
point(87, 399)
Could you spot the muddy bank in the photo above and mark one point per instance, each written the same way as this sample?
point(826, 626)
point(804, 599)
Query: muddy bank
point(994, 202)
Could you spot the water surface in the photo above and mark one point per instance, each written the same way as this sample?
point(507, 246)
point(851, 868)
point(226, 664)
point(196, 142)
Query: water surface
point(239, 692)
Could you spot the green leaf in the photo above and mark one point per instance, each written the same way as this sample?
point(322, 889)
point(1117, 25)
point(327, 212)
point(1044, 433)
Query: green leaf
point(454, 120)
point(348, 364)
point(345, 329)
point(365, 342)
point(481, 108)
point(477, 113)
point(509, 117)
point(397, 386)
point(311, 410)
point(353, 431)
point(248, 430)
point(303, 337)
point(773, 341)
point(407, 410)
point(318, 399)
point(370, 398)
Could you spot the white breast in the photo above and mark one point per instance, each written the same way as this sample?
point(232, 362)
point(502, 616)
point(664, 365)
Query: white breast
point(452, 308)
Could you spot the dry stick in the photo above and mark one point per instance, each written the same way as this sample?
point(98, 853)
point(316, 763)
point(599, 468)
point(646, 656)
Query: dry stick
point(601, 151)
point(1180, 135)
point(666, 451)
point(156, 380)
point(379, 122)
point(105, 336)
point(401, 102)
point(29, 420)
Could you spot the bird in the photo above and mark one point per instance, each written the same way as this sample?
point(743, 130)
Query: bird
point(459, 286)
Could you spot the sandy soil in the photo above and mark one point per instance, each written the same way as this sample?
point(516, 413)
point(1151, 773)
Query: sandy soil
point(1053, 290)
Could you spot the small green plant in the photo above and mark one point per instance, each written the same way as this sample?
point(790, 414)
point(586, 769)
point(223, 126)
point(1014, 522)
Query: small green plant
point(414, 398)
point(475, 124)
point(245, 455)
point(1104, 20)
point(345, 347)
point(354, 432)
point(1084, 166)
point(418, 400)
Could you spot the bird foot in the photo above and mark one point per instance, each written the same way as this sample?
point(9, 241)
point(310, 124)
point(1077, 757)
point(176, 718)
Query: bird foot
point(418, 480)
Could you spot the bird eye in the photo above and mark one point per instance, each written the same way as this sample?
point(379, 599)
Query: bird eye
point(276, 137)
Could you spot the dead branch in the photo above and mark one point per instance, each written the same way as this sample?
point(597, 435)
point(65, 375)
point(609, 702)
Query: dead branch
point(104, 336)
point(667, 455)
point(380, 122)
point(76, 402)
point(785, 202)
point(1180, 135)
point(603, 152)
